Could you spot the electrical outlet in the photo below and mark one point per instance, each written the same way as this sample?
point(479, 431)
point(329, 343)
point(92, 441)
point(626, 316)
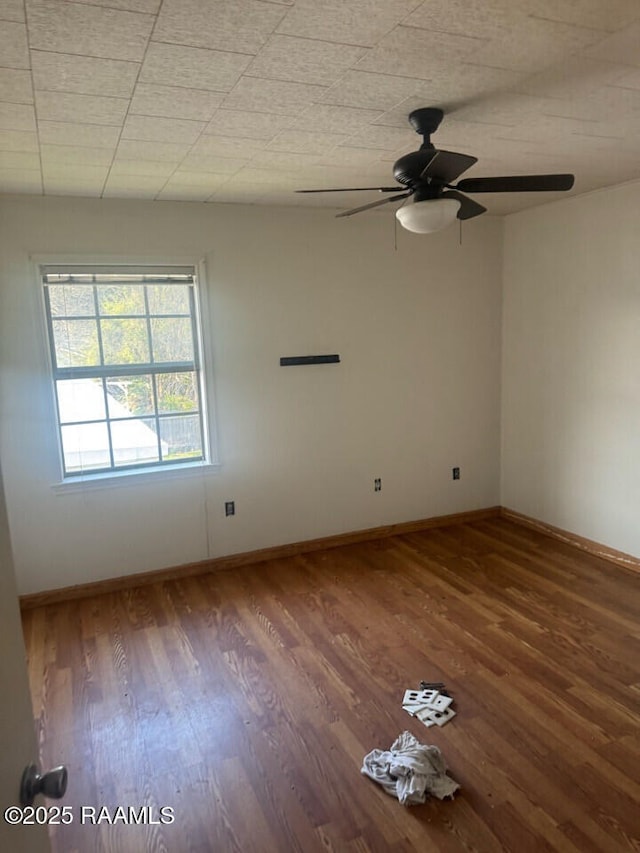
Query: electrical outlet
point(377, 485)
point(229, 507)
point(456, 473)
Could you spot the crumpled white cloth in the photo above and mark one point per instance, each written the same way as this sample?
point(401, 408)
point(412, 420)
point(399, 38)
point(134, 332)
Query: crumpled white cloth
point(410, 770)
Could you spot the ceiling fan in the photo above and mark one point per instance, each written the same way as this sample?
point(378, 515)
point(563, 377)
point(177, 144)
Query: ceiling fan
point(426, 178)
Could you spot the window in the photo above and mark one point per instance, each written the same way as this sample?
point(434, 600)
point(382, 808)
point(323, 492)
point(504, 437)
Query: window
point(125, 351)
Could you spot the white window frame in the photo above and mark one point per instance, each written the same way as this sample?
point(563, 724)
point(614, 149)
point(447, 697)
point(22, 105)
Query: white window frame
point(146, 473)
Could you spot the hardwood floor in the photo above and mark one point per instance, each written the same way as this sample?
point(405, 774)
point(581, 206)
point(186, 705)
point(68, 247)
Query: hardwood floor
point(245, 700)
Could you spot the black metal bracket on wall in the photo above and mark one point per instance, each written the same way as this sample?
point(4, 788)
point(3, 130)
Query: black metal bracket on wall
point(288, 361)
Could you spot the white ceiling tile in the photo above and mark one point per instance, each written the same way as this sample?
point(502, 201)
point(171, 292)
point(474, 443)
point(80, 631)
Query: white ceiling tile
point(453, 84)
point(68, 185)
point(210, 163)
point(150, 183)
point(22, 160)
point(607, 105)
point(411, 52)
point(17, 117)
point(226, 146)
point(184, 177)
point(15, 86)
point(74, 171)
point(623, 46)
point(629, 79)
point(501, 108)
point(305, 141)
point(535, 45)
point(284, 160)
point(70, 133)
point(157, 129)
point(149, 6)
point(484, 19)
point(304, 60)
point(174, 102)
point(371, 91)
point(251, 176)
point(348, 176)
point(12, 10)
point(18, 140)
point(241, 26)
point(237, 195)
point(183, 192)
point(599, 14)
point(247, 125)
point(357, 22)
point(386, 138)
point(272, 96)
point(573, 78)
point(94, 109)
point(542, 129)
point(334, 119)
point(133, 186)
point(142, 167)
point(84, 75)
point(20, 180)
point(263, 97)
point(88, 30)
point(192, 67)
point(13, 45)
point(347, 155)
point(75, 154)
point(138, 149)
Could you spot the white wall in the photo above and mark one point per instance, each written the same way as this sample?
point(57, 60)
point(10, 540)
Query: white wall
point(571, 366)
point(417, 392)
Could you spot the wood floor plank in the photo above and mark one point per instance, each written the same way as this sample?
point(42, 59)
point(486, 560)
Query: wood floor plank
point(246, 700)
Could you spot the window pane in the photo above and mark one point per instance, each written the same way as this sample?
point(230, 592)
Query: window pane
point(129, 395)
point(71, 300)
point(76, 343)
point(125, 341)
point(181, 437)
point(168, 299)
point(121, 299)
point(85, 447)
point(172, 339)
point(177, 392)
point(105, 322)
point(134, 441)
point(80, 400)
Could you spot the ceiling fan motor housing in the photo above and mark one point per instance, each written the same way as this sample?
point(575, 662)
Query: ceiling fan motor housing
point(407, 169)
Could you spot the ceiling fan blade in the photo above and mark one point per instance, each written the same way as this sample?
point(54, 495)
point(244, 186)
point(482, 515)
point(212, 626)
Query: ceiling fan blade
point(516, 184)
point(468, 207)
point(373, 204)
point(353, 190)
point(445, 166)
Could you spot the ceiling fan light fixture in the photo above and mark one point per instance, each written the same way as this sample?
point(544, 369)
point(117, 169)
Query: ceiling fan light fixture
point(425, 217)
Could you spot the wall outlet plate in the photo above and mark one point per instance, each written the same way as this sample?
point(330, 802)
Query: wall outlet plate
point(440, 717)
point(419, 697)
point(426, 716)
point(440, 703)
point(414, 710)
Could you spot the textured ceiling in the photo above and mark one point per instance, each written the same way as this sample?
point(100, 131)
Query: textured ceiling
point(248, 100)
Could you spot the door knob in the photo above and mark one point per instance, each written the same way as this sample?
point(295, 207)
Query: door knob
point(52, 784)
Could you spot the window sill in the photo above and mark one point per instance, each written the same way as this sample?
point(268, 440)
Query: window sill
point(110, 479)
